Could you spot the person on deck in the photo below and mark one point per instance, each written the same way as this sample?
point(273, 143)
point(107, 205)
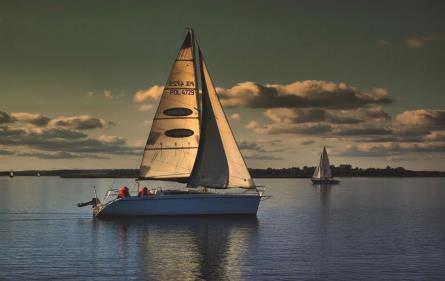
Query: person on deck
point(123, 192)
point(143, 192)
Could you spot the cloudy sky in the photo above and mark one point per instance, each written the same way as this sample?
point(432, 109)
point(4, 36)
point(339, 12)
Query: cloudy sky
point(80, 80)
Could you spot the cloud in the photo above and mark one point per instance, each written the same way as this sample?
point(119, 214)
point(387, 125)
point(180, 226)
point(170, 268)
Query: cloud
point(147, 98)
point(66, 140)
point(261, 150)
point(420, 41)
point(5, 118)
point(261, 157)
point(283, 128)
point(108, 95)
point(382, 42)
point(390, 149)
point(151, 94)
point(305, 115)
point(361, 131)
point(82, 122)
point(59, 155)
point(6, 152)
point(63, 137)
point(432, 119)
point(32, 118)
point(309, 93)
point(235, 116)
point(435, 136)
point(145, 107)
point(307, 142)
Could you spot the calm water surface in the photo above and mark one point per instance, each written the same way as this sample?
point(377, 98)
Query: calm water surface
point(362, 229)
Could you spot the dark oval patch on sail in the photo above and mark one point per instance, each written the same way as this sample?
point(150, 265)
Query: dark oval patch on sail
point(178, 111)
point(179, 133)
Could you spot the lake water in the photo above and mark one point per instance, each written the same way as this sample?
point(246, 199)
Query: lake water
point(362, 229)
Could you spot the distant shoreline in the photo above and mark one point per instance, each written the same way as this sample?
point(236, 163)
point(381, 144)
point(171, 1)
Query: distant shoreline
point(294, 172)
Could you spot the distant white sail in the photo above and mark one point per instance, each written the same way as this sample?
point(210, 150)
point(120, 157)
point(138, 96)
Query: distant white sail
point(323, 169)
point(219, 163)
point(172, 145)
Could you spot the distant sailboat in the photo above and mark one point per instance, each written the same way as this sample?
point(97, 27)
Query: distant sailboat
point(38, 174)
point(190, 142)
point(323, 173)
point(11, 174)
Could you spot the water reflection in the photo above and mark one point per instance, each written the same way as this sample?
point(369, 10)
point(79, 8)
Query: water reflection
point(175, 248)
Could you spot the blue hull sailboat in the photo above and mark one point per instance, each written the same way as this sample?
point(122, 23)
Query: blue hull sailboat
point(190, 141)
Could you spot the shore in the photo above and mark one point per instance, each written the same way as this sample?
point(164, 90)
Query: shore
point(294, 172)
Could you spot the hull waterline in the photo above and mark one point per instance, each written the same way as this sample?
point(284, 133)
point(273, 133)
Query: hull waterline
point(180, 205)
point(325, 181)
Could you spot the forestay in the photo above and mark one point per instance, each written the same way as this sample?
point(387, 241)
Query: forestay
point(219, 163)
point(172, 145)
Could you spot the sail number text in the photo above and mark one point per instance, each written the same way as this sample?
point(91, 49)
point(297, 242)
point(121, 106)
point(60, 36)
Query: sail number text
point(179, 83)
point(181, 91)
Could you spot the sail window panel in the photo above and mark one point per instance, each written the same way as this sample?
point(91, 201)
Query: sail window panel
point(178, 111)
point(158, 137)
point(179, 133)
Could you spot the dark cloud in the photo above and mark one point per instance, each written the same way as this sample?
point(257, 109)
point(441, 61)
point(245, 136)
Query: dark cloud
point(72, 141)
point(391, 149)
point(5, 118)
point(262, 157)
point(6, 152)
point(283, 128)
point(83, 122)
point(32, 118)
point(309, 93)
point(60, 155)
point(361, 131)
point(422, 118)
point(307, 115)
point(308, 142)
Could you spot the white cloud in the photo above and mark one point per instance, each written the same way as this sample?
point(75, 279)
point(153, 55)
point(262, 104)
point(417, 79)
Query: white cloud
point(235, 116)
point(151, 94)
point(420, 41)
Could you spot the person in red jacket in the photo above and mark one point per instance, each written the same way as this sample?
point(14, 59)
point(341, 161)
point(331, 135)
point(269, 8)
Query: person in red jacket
point(143, 192)
point(123, 192)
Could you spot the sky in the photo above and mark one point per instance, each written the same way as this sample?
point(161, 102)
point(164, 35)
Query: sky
point(363, 78)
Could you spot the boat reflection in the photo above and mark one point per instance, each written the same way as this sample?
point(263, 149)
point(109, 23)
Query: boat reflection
point(185, 248)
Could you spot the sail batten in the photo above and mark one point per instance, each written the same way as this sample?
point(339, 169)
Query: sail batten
point(219, 162)
point(172, 144)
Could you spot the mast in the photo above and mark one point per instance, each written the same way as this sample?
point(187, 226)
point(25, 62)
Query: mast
point(219, 163)
point(172, 144)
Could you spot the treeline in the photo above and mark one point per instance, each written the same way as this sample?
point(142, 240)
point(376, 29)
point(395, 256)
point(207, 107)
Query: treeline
point(343, 170)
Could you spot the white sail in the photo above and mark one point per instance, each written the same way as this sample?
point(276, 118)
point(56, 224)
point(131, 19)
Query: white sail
point(172, 145)
point(323, 169)
point(219, 163)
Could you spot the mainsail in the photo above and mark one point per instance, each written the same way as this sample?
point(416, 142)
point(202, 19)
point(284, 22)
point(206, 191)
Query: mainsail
point(219, 163)
point(172, 145)
point(323, 170)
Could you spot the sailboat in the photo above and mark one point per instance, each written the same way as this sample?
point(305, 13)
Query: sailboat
point(191, 142)
point(11, 174)
point(323, 173)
